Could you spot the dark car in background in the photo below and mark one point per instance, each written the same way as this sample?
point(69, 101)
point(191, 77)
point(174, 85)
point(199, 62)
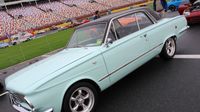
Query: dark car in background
point(191, 12)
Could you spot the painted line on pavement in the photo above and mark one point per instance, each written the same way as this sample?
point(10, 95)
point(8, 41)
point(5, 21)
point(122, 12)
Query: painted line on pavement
point(193, 56)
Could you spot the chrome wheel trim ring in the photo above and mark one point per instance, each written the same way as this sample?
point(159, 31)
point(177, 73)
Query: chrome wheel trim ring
point(170, 47)
point(82, 100)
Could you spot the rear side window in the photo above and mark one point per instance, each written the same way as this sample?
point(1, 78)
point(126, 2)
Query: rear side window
point(126, 25)
point(143, 20)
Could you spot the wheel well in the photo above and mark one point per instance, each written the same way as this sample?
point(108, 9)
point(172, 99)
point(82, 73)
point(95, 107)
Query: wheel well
point(174, 37)
point(91, 82)
point(83, 80)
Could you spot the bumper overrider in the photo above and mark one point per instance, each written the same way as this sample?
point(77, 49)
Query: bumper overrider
point(21, 104)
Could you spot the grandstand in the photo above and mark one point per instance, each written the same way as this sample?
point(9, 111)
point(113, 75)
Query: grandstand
point(63, 10)
point(31, 14)
point(25, 20)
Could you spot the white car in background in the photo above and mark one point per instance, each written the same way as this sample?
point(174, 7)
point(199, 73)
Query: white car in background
point(21, 37)
point(3, 44)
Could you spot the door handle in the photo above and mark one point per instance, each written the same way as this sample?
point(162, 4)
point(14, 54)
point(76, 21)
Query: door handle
point(144, 36)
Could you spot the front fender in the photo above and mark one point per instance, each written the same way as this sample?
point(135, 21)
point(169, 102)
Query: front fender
point(53, 91)
point(74, 81)
point(53, 97)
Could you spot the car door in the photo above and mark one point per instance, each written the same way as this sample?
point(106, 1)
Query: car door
point(153, 33)
point(124, 54)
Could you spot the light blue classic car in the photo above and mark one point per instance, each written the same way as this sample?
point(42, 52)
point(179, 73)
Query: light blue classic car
point(99, 54)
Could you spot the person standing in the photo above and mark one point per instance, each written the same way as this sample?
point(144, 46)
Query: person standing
point(164, 4)
point(154, 5)
point(157, 5)
point(96, 15)
point(160, 5)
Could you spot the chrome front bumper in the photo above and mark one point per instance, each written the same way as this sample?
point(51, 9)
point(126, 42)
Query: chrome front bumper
point(23, 105)
point(23, 109)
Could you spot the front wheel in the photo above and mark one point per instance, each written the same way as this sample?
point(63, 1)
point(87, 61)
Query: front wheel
point(81, 97)
point(169, 49)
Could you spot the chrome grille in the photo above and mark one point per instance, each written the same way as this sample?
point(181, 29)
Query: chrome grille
point(19, 101)
point(16, 98)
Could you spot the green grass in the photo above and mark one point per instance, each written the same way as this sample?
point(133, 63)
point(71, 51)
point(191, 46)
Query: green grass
point(28, 50)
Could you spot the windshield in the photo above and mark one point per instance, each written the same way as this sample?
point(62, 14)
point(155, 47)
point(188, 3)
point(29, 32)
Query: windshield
point(88, 36)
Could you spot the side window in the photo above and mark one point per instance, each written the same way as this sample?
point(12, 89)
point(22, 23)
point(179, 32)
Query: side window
point(126, 25)
point(112, 34)
point(143, 20)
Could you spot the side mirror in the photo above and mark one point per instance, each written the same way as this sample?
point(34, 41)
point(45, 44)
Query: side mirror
point(108, 41)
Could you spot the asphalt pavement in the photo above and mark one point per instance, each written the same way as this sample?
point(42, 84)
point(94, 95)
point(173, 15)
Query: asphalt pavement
point(157, 86)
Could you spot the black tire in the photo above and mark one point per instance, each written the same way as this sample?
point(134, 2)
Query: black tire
point(28, 39)
point(15, 43)
point(169, 49)
point(172, 8)
point(67, 103)
point(1, 86)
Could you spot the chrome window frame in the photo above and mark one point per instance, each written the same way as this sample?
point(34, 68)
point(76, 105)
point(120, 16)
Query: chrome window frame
point(150, 19)
point(116, 17)
point(137, 21)
point(116, 36)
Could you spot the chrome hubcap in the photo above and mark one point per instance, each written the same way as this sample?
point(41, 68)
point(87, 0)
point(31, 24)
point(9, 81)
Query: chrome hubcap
point(82, 100)
point(170, 47)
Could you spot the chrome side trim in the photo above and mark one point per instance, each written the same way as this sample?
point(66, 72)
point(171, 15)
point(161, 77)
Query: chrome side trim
point(104, 77)
point(184, 29)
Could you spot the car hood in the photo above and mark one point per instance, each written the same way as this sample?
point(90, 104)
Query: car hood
point(195, 13)
point(25, 78)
